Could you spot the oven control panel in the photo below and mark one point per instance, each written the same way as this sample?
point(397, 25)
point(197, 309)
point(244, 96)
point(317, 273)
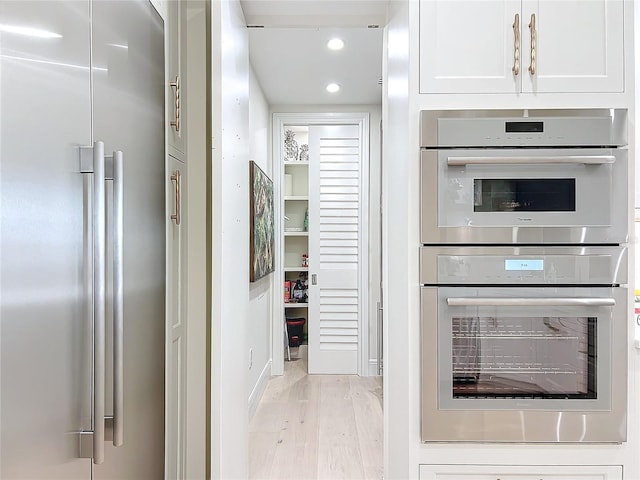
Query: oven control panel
point(525, 265)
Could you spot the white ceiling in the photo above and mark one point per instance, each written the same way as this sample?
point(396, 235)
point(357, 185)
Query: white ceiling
point(290, 55)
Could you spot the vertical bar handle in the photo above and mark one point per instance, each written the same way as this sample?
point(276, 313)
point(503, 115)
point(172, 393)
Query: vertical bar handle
point(99, 292)
point(534, 38)
point(314, 279)
point(516, 47)
point(118, 299)
point(176, 85)
point(175, 178)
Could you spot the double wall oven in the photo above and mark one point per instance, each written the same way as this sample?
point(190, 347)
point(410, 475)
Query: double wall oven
point(524, 273)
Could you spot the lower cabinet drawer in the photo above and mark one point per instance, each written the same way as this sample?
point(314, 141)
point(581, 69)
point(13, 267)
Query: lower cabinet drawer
point(521, 472)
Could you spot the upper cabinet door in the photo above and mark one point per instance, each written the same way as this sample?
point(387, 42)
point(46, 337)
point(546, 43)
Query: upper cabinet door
point(470, 46)
point(577, 46)
point(177, 77)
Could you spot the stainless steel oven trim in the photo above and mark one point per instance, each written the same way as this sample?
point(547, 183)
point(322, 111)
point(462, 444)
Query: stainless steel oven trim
point(552, 425)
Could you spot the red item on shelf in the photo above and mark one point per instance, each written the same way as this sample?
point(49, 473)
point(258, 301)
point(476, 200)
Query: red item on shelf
point(287, 291)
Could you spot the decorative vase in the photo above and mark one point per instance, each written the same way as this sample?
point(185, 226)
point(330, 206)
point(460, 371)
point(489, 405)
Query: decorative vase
point(290, 146)
point(304, 152)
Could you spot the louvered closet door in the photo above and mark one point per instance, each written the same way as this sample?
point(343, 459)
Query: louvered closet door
point(334, 230)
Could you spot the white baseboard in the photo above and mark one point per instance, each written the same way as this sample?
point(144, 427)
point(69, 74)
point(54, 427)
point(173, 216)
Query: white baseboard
point(259, 388)
point(373, 367)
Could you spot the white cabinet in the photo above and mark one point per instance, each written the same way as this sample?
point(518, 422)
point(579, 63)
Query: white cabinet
point(520, 472)
point(176, 329)
point(521, 46)
point(176, 77)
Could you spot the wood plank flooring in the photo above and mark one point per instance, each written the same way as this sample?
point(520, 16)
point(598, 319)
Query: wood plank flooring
point(320, 427)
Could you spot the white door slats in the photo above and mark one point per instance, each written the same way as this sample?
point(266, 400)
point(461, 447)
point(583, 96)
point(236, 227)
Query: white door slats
point(337, 339)
point(340, 228)
point(335, 300)
point(328, 322)
point(339, 331)
point(341, 243)
point(338, 221)
point(338, 190)
point(339, 166)
point(337, 347)
point(340, 155)
point(338, 236)
point(346, 318)
point(339, 174)
point(338, 182)
point(341, 212)
point(351, 251)
point(338, 308)
point(338, 292)
point(345, 140)
point(338, 198)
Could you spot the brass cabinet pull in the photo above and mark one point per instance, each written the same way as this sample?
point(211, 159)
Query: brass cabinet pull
point(532, 27)
point(175, 178)
point(176, 85)
point(516, 47)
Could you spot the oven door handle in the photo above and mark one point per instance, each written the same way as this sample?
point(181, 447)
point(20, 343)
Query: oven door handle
point(530, 302)
point(563, 160)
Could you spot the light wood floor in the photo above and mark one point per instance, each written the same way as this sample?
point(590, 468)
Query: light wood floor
point(317, 427)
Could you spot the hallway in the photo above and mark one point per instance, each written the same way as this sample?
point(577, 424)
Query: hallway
point(317, 427)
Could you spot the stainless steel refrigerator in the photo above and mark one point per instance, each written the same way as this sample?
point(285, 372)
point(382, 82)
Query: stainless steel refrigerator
point(78, 253)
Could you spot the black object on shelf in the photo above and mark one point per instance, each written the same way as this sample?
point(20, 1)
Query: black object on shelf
point(295, 327)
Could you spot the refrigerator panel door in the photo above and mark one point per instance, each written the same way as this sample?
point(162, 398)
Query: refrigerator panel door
point(128, 86)
point(45, 334)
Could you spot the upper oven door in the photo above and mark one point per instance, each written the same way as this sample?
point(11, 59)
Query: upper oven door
point(576, 195)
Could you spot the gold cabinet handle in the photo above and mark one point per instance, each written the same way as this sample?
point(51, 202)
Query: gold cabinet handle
point(516, 47)
point(175, 178)
point(534, 36)
point(176, 85)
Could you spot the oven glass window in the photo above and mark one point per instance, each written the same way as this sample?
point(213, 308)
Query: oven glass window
point(524, 195)
point(524, 357)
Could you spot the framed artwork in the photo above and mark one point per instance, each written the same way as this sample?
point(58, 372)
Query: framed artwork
point(261, 224)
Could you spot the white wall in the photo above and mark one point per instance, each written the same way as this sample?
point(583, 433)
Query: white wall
point(375, 118)
point(397, 244)
point(230, 248)
point(260, 292)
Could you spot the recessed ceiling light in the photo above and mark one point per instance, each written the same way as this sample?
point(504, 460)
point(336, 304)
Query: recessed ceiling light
point(335, 44)
point(333, 88)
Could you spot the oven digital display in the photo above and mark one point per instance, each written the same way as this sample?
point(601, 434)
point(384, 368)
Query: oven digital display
point(524, 265)
point(523, 127)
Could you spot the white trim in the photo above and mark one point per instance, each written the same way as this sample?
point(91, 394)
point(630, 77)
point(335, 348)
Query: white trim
point(373, 367)
point(258, 389)
point(346, 118)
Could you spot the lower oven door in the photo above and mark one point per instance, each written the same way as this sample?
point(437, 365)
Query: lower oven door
point(524, 364)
